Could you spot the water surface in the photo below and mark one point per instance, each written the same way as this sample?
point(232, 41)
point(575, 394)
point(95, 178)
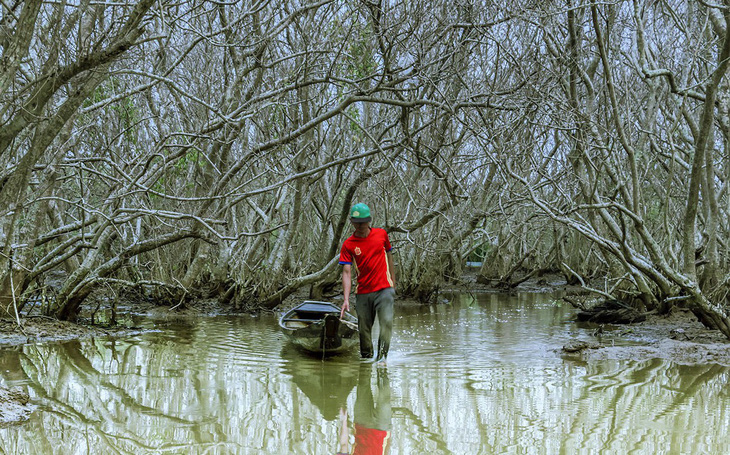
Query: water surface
point(480, 375)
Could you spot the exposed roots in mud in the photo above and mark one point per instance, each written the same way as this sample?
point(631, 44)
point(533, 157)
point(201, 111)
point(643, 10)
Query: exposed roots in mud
point(611, 312)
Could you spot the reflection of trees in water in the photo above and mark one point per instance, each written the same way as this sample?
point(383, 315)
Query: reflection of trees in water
point(663, 406)
point(562, 408)
point(134, 398)
point(139, 397)
point(109, 393)
point(131, 396)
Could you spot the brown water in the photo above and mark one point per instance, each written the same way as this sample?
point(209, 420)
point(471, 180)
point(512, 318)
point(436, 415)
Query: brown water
point(481, 375)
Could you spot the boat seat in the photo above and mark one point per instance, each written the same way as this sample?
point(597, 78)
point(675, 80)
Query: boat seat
point(296, 325)
point(301, 320)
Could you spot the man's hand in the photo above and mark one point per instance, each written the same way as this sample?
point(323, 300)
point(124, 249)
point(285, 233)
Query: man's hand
point(345, 307)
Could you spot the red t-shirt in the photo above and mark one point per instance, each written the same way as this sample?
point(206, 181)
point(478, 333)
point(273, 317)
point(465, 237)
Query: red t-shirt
point(368, 254)
point(370, 441)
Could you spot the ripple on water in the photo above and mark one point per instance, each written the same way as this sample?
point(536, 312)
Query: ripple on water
point(240, 342)
point(476, 379)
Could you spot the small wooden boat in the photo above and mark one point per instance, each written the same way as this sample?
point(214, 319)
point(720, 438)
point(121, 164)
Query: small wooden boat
point(317, 327)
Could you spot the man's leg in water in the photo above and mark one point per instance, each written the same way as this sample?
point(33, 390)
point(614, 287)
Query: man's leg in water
point(365, 319)
point(384, 311)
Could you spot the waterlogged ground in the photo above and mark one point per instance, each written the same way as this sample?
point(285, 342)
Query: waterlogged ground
point(483, 374)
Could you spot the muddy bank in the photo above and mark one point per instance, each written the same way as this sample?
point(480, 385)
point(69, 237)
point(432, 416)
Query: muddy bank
point(40, 329)
point(677, 337)
point(682, 352)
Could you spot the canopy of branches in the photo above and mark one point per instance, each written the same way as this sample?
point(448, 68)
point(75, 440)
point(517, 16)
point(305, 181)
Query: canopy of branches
point(192, 144)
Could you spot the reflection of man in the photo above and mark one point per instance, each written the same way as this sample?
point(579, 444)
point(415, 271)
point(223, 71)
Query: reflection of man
point(372, 416)
point(369, 248)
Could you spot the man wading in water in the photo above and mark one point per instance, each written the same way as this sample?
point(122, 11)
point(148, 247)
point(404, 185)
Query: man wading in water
point(369, 248)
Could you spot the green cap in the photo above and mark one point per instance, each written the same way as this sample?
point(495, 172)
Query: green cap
point(360, 213)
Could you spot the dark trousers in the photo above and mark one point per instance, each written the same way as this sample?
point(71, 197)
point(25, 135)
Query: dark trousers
point(370, 306)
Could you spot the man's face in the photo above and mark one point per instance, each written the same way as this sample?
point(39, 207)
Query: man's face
point(359, 226)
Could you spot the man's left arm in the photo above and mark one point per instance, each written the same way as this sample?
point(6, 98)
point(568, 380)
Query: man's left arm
point(391, 267)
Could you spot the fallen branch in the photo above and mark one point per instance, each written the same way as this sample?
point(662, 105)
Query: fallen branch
point(588, 288)
point(276, 298)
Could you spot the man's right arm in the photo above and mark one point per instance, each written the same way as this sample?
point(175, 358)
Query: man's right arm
point(346, 286)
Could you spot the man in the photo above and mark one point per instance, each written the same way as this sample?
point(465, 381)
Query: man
point(369, 249)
